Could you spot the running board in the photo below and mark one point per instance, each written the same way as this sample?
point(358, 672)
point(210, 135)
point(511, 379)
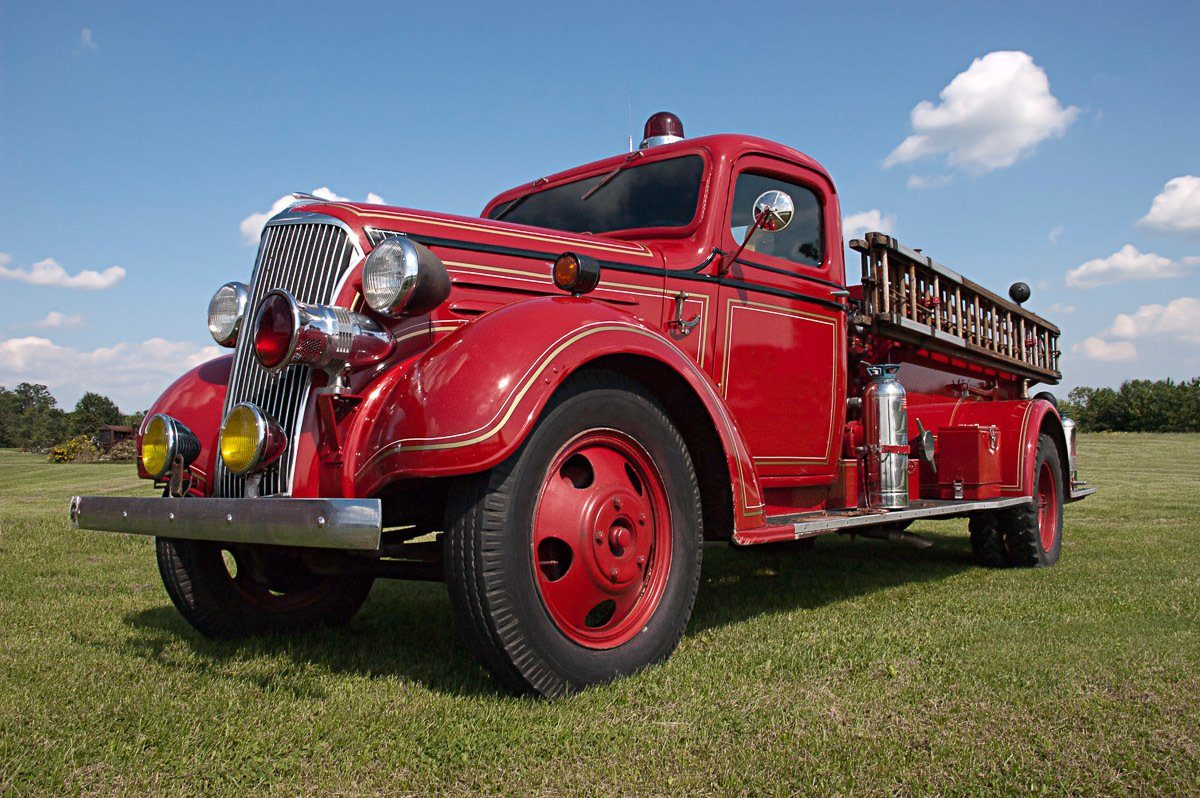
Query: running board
point(1079, 491)
point(808, 525)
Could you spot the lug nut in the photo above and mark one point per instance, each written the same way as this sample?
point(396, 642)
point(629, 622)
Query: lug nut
point(599, 536)
point(642, 519)
point(641, 561)
point(613, 574)
point(617, 503)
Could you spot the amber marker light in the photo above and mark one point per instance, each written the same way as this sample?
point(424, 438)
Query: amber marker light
point(576, 273)
point(250, 441)
point(163, 440)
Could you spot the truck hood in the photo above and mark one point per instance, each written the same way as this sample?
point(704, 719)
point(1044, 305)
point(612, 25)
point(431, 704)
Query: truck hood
point(447, 232)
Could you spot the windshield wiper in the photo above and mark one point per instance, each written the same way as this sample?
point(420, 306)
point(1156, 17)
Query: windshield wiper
point(608, 178)
point(512, 206)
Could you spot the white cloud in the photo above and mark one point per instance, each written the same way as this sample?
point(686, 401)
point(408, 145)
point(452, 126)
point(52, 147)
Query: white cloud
point(56, 321)
point(929, 181)
point(991, 115)
point(1098, 349)
point(1178, 319)
point(1176, 209)
point(49, 272)
point(1059, 307)
point(132, 374)
point(86, 42)
point(1056, 233)
point(1124, 265)
point(856, 224)
point(253, 224)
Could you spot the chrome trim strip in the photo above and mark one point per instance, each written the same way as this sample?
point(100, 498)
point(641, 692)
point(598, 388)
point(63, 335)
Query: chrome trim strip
point(833, 522)
point(311, 523)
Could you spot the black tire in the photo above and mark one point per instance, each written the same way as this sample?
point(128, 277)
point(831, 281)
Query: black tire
point(490, 569)
point(1023, 526)
point(987, 541)
point(271, 591)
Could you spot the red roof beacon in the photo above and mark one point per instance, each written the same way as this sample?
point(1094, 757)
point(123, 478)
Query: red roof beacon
point(661, 128)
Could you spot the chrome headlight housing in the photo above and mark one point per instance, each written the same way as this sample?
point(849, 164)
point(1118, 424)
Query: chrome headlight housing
point(165, 438)
point(403, 278)
point(226, 310)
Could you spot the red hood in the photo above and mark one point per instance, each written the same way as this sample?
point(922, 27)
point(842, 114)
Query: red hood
point(465, 232)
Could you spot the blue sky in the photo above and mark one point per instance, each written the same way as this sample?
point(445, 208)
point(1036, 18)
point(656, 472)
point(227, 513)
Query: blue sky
point(140, 136)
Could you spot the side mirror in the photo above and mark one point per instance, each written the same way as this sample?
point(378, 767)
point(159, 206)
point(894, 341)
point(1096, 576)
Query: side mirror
point(772, 211)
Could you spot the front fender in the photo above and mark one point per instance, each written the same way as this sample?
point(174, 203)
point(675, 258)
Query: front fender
point(469, 401)
point(196, 399)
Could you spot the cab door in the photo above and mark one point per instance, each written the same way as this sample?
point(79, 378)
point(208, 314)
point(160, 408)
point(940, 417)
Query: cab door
point(781, 326)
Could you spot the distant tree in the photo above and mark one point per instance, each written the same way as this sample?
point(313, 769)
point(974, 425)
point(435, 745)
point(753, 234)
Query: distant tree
point(91, 411)
point(38, 422)
point(8, 415)
point(1137, 406)
point(134, 419)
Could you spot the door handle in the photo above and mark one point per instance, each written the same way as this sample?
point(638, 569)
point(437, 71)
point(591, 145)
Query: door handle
point(684, 327)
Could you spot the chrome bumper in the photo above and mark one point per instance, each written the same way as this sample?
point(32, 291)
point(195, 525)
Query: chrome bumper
point(313, 523)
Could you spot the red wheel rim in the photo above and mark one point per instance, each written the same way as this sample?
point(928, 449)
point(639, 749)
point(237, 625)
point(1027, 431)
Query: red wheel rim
point(601, 539)
point(1047, 498)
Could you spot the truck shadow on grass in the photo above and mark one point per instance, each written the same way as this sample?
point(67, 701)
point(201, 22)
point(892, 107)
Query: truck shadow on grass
point(408, 630)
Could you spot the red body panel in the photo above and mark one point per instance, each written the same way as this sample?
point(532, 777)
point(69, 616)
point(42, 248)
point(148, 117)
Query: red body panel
point(468, 402)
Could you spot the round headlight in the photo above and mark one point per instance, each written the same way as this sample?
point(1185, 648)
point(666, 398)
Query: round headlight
point(403, 278)
point(225, 313)
point(164, 438)
point(249, 440)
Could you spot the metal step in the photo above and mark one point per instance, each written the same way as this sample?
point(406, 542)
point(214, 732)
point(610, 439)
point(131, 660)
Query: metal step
point(819, 523)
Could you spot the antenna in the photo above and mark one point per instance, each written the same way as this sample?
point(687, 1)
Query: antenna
point(629, 98)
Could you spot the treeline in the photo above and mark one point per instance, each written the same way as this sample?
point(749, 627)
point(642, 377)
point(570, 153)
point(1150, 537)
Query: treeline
point(31, 419)
point(1137, 406)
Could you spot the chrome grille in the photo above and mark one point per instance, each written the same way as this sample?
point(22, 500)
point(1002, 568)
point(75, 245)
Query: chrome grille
point(308, 259)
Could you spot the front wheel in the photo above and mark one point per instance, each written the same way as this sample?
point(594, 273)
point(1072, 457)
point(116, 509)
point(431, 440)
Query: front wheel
point(227, 590)
point(577, 560)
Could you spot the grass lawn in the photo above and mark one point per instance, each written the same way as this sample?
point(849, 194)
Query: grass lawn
point(856, 668)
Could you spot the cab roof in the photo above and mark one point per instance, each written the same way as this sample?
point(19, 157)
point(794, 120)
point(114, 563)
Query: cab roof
point(721, 146)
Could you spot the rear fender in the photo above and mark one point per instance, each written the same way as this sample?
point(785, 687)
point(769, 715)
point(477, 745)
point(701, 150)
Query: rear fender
point(197, 399)
point(469, 401)
point(1022, 422)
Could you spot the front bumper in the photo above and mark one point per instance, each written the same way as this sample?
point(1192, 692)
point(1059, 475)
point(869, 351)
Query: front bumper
point(311, 523)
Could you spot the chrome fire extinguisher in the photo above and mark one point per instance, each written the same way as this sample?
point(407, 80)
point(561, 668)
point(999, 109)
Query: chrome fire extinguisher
point(885, 424)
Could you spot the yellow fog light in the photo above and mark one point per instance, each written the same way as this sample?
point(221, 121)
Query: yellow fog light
point(163, 440)
point(249, 440)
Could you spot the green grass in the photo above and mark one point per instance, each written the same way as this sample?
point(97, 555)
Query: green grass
point(857, 668)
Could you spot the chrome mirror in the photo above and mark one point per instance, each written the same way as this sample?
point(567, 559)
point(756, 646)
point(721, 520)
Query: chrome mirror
point(773, 211)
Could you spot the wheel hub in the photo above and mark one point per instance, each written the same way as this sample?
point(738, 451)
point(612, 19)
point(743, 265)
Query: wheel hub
point(601, 538)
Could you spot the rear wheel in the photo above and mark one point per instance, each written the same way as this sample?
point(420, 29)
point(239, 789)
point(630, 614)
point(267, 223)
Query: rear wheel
point(229, 590)
point(987, 541)
point(577, 560)
point(1033, 532)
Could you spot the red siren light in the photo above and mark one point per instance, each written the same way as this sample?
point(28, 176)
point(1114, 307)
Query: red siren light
point(662, 128)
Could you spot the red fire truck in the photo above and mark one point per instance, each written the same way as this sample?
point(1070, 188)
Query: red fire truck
point(553, 406)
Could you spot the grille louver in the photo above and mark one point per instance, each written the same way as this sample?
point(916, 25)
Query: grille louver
point(308, 259)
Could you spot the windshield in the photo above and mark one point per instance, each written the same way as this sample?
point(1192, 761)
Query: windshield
point(658, 194)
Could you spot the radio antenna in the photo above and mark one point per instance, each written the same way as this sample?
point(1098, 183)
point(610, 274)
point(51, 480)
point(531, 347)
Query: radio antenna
point(629, 99)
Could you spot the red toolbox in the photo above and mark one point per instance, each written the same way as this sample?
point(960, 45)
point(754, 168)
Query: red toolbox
point(968, 462)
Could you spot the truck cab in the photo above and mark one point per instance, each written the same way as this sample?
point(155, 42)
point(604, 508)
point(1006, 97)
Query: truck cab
point(551, 407)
